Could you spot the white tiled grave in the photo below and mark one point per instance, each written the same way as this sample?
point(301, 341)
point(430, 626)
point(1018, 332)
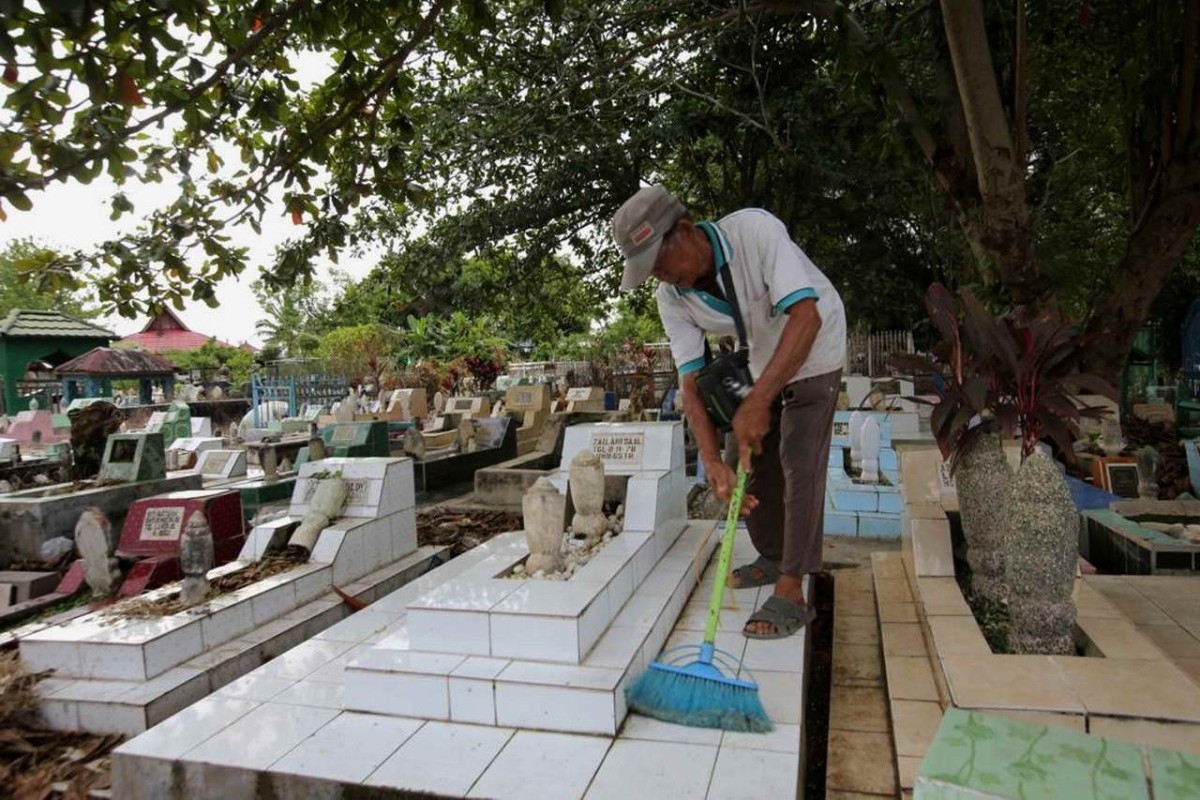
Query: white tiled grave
point(563, 637)
point(126, 674)
point(287, 726)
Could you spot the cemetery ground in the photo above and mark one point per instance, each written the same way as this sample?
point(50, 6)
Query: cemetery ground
point(37, 763)
point(40, 763)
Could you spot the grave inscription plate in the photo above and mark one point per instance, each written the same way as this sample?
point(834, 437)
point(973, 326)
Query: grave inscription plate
point(619, 449)
point(162, 524)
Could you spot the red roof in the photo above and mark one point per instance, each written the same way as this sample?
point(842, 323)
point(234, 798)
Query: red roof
point(107, 361)
point(161, 341)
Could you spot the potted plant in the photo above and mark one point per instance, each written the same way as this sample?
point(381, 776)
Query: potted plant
point(965, 429)
point(1004, 376)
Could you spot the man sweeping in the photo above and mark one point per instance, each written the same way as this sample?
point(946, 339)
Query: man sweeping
point(795, 326)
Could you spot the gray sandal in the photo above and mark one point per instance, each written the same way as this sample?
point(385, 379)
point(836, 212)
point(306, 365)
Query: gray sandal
point(768, 574)
point(786, 616)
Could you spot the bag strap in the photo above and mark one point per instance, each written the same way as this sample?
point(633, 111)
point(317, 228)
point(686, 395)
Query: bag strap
point(731, 298)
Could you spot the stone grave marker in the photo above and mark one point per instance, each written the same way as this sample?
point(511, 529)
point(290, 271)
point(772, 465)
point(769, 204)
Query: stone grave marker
point(10, 451)
point(156, 421)
point(222, 463)
point(585, 399)
point(94, 541)
point(476, 407)
point(202, 427)
point(527, 398)
point(133, 457)
point(408, 404)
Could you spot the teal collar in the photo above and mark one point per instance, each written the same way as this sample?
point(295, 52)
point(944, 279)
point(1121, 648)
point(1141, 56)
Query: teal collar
point(722, 253)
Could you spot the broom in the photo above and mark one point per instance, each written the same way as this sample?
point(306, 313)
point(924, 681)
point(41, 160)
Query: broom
point(697, 685)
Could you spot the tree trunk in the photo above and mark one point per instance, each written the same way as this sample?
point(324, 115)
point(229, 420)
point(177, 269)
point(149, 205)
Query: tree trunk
point(1151, 253)
point(1007, 226)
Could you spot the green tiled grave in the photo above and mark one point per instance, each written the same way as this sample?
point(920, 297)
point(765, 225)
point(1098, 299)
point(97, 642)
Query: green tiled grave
point(1176, 775)
point(982, 756)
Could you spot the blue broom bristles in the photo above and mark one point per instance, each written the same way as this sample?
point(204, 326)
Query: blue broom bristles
point(698, 695)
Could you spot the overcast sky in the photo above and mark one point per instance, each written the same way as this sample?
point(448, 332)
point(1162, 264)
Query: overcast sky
point(72, 216)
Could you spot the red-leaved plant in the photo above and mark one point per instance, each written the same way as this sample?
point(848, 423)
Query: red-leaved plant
point(1018, 375)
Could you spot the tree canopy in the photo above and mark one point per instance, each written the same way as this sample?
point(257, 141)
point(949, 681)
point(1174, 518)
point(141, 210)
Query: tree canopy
point(1046, 155)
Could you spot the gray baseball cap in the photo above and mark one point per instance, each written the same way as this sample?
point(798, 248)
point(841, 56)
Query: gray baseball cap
point(638, 228)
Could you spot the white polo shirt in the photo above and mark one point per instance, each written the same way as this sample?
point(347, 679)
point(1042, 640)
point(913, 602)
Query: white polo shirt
point(770, 274)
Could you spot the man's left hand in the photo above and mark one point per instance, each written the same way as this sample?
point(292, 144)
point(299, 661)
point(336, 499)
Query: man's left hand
point(750, 426)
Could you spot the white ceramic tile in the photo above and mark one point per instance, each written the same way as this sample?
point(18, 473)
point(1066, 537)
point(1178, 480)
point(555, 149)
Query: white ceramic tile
point(116, 662)
point(262, 737)
point(784, 739)
point(752, 774)
point(781, 694)
point(377, 545)
point(550, 598)
point(555, 708)
point(638, 727)
point(403, 694)
point(186, 679)
point(601, 569)
point(357, 627)
point(643, 564)
point(473, 700)
point(334, 671)
point(441, 758)
point(464, 632)
point(350, 563)
point(464, 594)
point(480, 667)
point(180, 733)
point(412, 661)
point(592, 625)
point(349, 748)
point(273, 603)
point(565, 675)
point(314, 583)
point(59, 715)
point(618, 648)
point(403, 533)
point(39, 656)
point(314, 693)
point(256, 686)
point(530, 637)
point(635, 768)
point(129, 720)
point(303, 660)
point(542, 766)
point(664, 580)
point(93, 690)
point(620, 588)
point(639, 613)
point(778, 655)
point(329, 543)
point(226, 624)
point(397, 637)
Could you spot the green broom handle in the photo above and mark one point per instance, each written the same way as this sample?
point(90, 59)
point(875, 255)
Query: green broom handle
point(731, 521)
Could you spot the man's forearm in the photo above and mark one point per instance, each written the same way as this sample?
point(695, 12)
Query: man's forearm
point(804, 322)
point(707, 437)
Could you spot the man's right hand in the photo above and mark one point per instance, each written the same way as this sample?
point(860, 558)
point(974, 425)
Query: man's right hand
point(722, 479)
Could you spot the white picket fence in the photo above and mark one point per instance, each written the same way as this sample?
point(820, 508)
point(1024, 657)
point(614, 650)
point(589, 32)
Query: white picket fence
point(867, 352)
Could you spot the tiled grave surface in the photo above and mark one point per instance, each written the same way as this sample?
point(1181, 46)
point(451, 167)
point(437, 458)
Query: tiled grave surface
point(852, 509)
point(935, 655)
point(202, 752)
point(121, 674)
point(1118, 544)
point(1164, 608)
point(983, 756)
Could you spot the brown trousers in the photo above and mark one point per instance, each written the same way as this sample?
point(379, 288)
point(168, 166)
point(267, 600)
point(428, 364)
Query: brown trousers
point(789, 475)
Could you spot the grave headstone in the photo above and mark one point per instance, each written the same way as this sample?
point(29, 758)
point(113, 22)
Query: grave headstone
point(94, 540)
point(408, 404)
point(202, 427)
point(10, 451)
point(344, 410)
point(357, 439)
point(543, 508)
point(195, 558)
point(439, 402)
point(33, 428)
point(527, 398)
point(219, 464)
point(585, 399)
point(133, 457)
point(154, 526)
point(477, 407)
point(586, 484)
point(156, 421)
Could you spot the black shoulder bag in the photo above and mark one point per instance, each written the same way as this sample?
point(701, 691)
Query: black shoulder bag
point(725, 381)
